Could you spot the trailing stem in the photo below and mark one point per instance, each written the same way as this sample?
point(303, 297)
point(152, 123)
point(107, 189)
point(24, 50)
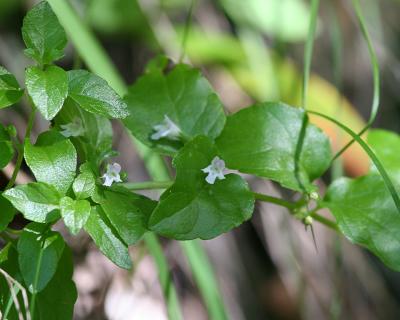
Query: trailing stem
point(291, 206)
point(21, 149)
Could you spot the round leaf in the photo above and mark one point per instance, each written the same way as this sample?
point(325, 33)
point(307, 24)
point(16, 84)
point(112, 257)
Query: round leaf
point(93, 94)
point(128, 212)
point(43, 35)
point(85, 183)
point(183, 95)
point(75, 213)
point(366, 214)
point(52, 159)
point(36, 201)
point(262, 139)
point(193, 208)
point(48, 89)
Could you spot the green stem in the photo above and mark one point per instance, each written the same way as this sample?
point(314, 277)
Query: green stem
point(277, 201)
point(325, 221)
point(148, 185)
point(299, 148)
point(36, 280)
point(20, 157)
point(14, 231)
point(294, 205)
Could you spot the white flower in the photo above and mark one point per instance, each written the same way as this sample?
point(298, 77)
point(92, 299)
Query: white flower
point(166, 129)
point(112, 174)
point(215, 170)
point(73, 129)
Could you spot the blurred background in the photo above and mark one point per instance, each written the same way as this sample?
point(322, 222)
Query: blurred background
point(250, 50)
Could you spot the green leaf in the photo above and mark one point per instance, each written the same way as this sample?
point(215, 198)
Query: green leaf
point(261, 140)
point(128, 212)
point(57, 300)
point(10, 92)
point(106, 240)
point(6, 147)
point(96, 140)
point(52, 159)
point(192, 208)
point(93, 94)
point(43, 35)
point(85, 183)
point(386, 145)
point(75, 213)
point(366, 214)
point(48, 89)
point(37, 201)
point(39, 251)
point(7, 213)
point(183, 95)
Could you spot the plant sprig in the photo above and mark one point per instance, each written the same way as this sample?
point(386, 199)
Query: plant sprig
point(177, 113)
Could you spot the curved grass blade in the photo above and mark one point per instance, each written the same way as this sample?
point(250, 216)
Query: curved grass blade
point(205, 279)
point(375, 75)
point(308, 51)
point(336, 39)
point(371, 154)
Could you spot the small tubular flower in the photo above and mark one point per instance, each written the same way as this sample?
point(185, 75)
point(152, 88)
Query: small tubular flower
point(166, 129)
point(112, 174)
point(215, 170)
